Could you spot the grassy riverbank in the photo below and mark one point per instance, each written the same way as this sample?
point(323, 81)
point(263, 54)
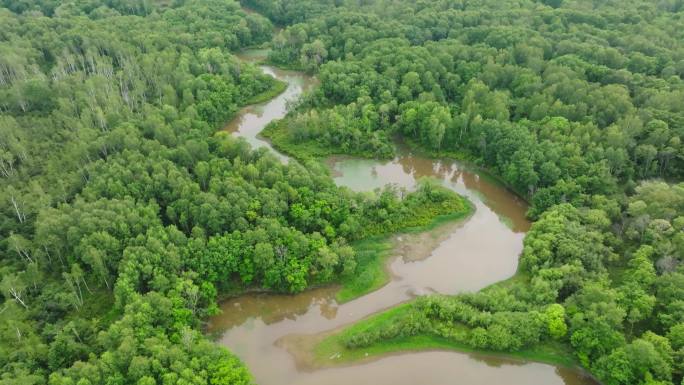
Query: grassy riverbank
point(333, 351)
point(554, 354)
point(371, 256)
point(280, 138)
point(373, 253)
point(333, 348)
point(276, 89)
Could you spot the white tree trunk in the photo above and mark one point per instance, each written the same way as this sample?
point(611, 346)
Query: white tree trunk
point(17, 296)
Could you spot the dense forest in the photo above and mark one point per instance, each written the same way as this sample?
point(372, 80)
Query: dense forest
point(576, 105)
point(124, 214)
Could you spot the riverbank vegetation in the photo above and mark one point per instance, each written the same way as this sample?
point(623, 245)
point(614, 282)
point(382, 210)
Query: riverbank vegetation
point(124, 214)
point(338, 345)
point(574, 104)
point(372, 252)
point(277, 88)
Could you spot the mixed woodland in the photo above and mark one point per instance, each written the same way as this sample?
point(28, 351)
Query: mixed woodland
point(576, 105)
point(125, 212)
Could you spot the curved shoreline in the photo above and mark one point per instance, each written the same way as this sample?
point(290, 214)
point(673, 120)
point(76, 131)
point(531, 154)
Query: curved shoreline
point(287, 318)
point(303, 347)
point(435, 232)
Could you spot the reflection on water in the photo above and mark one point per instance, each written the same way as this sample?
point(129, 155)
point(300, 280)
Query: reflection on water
point(406, 169)
point(274, 308)
point(460, 257)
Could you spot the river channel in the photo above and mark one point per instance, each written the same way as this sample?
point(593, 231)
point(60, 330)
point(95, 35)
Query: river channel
point(453, 258)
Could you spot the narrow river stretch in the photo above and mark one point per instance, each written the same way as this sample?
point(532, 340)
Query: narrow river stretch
point(454, 258)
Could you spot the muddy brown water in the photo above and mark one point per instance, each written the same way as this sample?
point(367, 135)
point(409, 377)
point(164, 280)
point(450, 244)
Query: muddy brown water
point(453, 258)
point(252, 119)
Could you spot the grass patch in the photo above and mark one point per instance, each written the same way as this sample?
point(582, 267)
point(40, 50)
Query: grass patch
point(279, 135)
point(276, 89)
point(371, 257)
point(520, 279)
point(439, 220)
point(372, 254)
point(332, 345)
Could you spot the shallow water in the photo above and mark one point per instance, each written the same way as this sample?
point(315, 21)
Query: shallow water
point(453, 258)
point(252, 119)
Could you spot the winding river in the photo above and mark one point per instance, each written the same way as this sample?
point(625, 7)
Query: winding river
point(453, 258)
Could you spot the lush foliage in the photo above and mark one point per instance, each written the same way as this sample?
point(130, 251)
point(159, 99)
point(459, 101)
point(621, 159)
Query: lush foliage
point(105, 113)
point(575, 104)
point(122, 214)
